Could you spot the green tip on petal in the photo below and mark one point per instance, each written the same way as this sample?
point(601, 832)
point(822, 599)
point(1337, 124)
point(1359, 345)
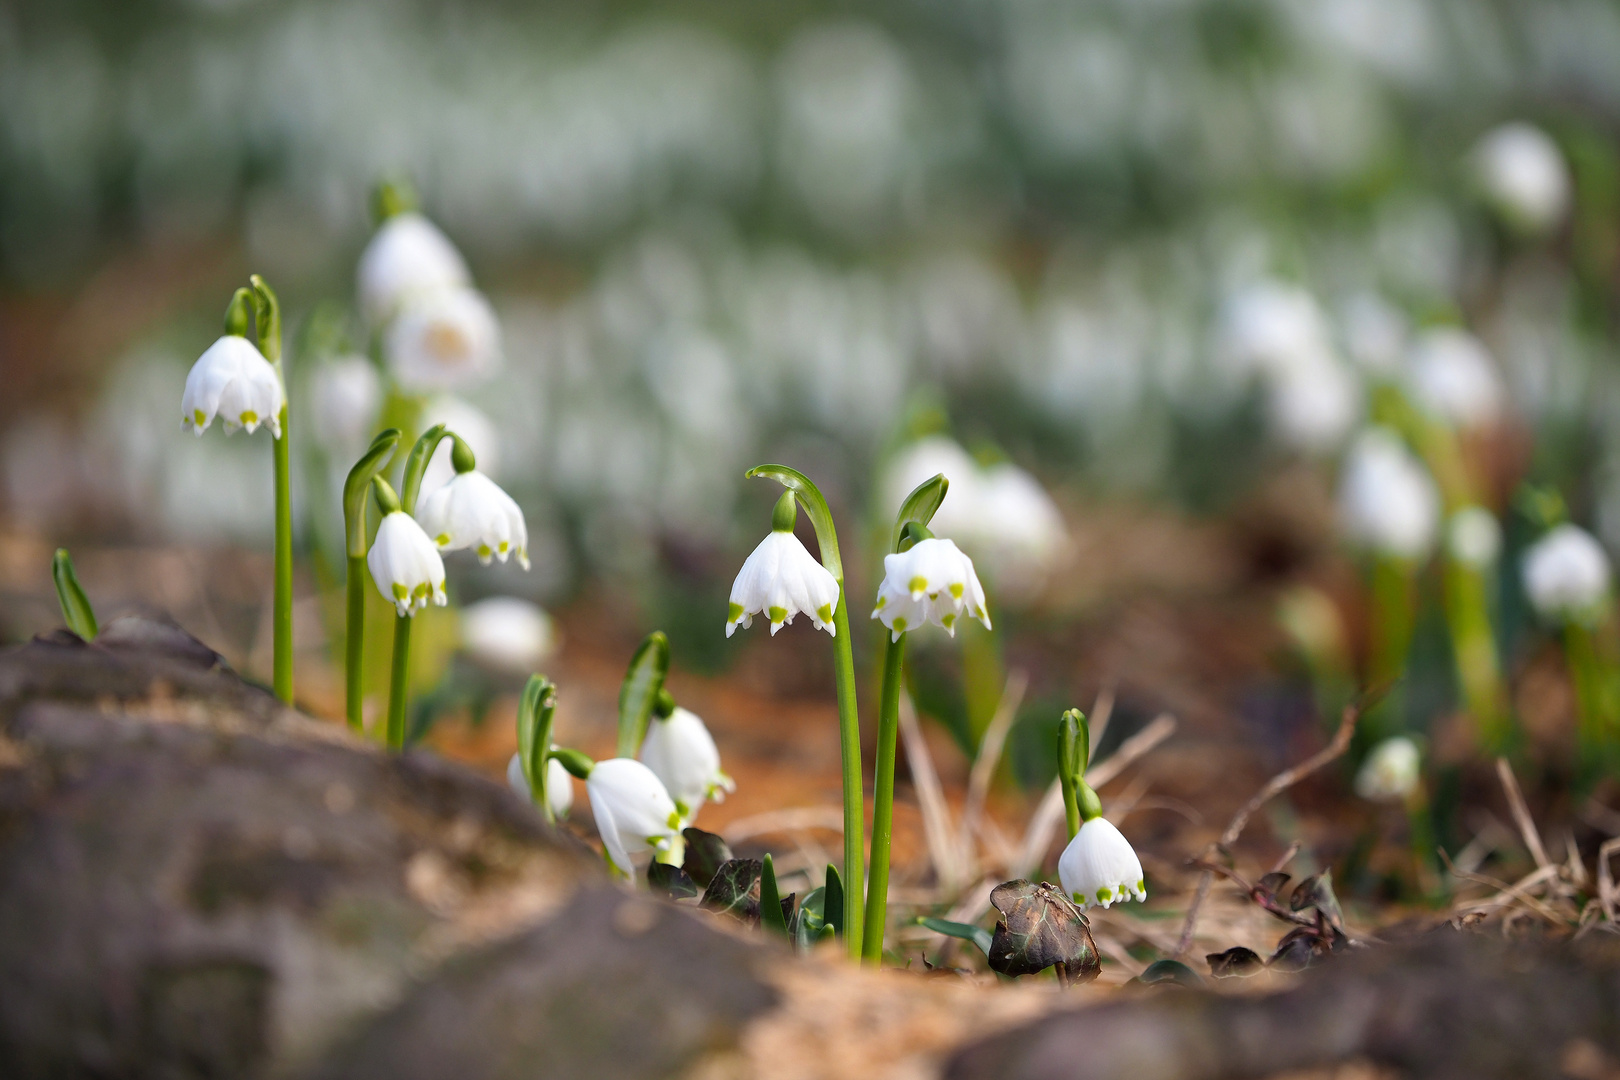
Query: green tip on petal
point(824, 613)
point(484, 552)
point(442, 539)
point(947, 621)
point(400, 592)
point(918, 584)
point(900, 623)
point(734, 612)
point(199, 417)
point(956, 590)
point(777, 614)
point(1104, 894)
point(883, 602)
point(675, 817)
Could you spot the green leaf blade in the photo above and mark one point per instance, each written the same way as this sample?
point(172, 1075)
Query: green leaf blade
point(76, 609)
point(639, 691)
point(978, 935)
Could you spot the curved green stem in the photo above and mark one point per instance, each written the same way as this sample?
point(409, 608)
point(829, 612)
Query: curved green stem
point(354, 642)
point(877, 897)
point(396, 682)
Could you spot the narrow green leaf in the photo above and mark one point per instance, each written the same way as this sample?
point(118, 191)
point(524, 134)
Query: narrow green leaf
point(770, 899)
point(966, 931)
point(920, 506)
point(815, 507)
point(534, 736)
point(639, 691)
point(833, 904)
point(76, 609)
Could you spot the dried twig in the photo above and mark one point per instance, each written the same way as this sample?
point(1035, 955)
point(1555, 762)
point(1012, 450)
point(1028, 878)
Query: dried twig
point(830, 818)
point(952, 864)
point(1521, 812)
point(1607, 895)
point(1274, 787)
point(1516, 891)
point(990, 751)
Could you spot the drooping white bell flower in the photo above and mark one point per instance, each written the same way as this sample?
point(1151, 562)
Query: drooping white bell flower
point(1314, 405)
point(232, 380)
point(1566, 575)
point(406, 565)
point(471, 511)
point(782, 579)
point(507, 633)
point(1473, 537)
point(443, 340)
point(473, 426)
point(1452, 377)
point(1387, 502)
point(559, 785)
point(680, 750)
point(344, 396)
point(1391, 770)
point(1270, 327)
point(1100, 867)
point(408, 257)
point(634, 813)
point(1523, 173)
point(933, 582)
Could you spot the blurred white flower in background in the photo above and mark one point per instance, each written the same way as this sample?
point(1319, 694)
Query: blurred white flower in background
point(1375, 334)
point(1391, 770)
point(345, 394)
point(1454, 378)
point(1314, 405)
point(1522, 172)
point(1387, 501)
point(443, 341)
point(1474, 537)
point(476, 429)
point(1270, 327)
point(1567, 575)
point(559, 784)
point(508, 634)
point(408, 258)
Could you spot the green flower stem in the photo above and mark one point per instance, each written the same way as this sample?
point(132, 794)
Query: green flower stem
point(1474, 644)
point(877, 896)
point(354, 642)
point(1073, 755)
point(282, 632)
point(396, 682)
point(849, 741)
point(1594, 676)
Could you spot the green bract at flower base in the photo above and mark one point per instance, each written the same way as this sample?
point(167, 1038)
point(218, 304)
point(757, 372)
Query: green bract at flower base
point(76, 609)
point(355, 489)
point(849, 724)
point(910, 526)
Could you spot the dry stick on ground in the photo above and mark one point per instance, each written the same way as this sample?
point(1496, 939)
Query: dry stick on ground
point(1274, 787)
point(989, 755)
point(1608, 896)
point(830, 818)
point(1521, 812)
point(952, 864)
point(1505, 893)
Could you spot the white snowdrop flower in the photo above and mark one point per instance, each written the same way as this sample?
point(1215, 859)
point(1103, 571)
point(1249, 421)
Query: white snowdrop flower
point(405, 564)
point(1018, 528)
point(681, 752)
point(1100, 867)
point(1269, 327)
point(1387, 502)
point(471, 511)
point(1374, 334)
point(473, 426)
point(633, 812)
point(408, 257)
point(782, 579)
point(1566, 575)
point(507, 633)
point(443, 340)
point(559, 785)
point(933, 582)
point(233, 381)
point(1391, 770)
point(1474, 537)
point(1452, 377)
point(1523, 173)
point(345, 394)
point(1314, 405)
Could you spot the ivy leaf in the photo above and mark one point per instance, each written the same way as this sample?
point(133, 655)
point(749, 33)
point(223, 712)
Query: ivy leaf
point(1273, 884)
point(1172, 972)
point(1236, 962)
point(1299, 949)
point(1317, 892)
point(1040, 927)
point(672, 881)
point(639, 691)
point(705, 853)
point(734, 890)
point(966, 931)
